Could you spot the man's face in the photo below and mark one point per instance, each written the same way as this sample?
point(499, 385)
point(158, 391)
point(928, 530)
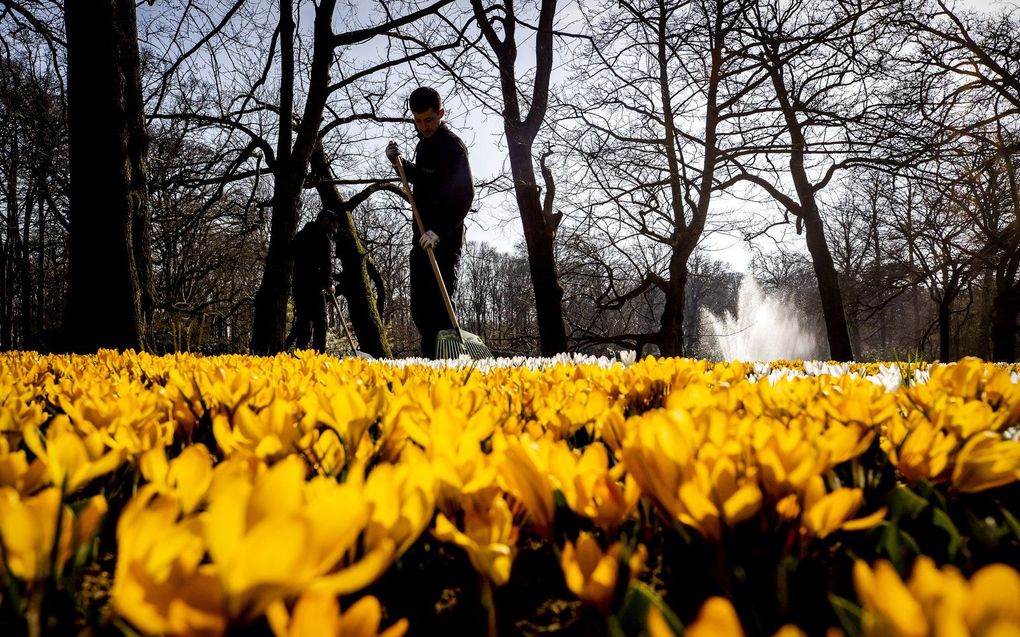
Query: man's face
point(334, 225)
point(428, 121)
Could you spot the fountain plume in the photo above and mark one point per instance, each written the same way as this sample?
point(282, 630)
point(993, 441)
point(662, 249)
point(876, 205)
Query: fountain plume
point(764, 328)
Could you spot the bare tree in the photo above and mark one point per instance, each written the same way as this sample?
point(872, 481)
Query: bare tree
point(661, 81)
point(822, 61)
point(968, 65)
point(498, 23)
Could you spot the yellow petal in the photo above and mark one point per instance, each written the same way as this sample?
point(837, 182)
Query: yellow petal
point(743, 504)
point(716, 618)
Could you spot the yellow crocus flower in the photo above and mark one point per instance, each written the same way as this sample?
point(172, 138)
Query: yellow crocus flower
point(787, 460)
point(714, 495)
point(986, 606)
point(279, 536)
point(826, 513)
point(28, 529)
point(401, 499)
point(70, 462)
point(887, 603)
point(488, 534)
point(349, 411)
point(269, 434)
point(924, 452)
point(524, 471)
point(994, 600)
point(16, 472)
point(590, 488)
point(452, 441)
point(592, 573)
point(318, 615)
point(986, 461)
point(189, 475)
point(657, 451)
point(121, 414)
point(989, 604)
point(161, 584)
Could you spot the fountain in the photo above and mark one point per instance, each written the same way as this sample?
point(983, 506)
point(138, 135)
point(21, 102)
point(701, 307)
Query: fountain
point(763, 329)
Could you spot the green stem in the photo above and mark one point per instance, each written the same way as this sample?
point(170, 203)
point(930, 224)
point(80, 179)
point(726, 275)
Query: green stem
point(488, 604)
point(33, 614)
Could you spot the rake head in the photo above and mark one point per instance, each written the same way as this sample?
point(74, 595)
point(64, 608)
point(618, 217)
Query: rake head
point(455, 343)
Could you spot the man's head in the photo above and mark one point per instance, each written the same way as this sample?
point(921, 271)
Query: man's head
point(427, 109)
point(330, 220)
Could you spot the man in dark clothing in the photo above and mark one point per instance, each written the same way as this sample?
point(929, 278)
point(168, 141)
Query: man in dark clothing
point(443, 190)
point(313, 277)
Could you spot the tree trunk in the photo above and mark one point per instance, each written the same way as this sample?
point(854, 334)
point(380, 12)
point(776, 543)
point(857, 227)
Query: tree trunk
point(28, 325)
point(1005, 312)
point(945, 325)
point(671, 334)
point(9, 253)
point(539, 237)
point(828, 287)
point(355, 282)
point(833, 312)
point(109, 200)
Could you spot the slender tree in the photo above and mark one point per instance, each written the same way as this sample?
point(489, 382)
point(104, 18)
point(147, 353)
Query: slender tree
point(521, 123)
point(660, 81)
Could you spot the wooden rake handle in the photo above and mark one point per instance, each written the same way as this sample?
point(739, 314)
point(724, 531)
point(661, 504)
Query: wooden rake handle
point(399, 163)
point(340, 318)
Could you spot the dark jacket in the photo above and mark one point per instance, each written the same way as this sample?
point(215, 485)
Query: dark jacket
point(443, 187)
point(313, 265)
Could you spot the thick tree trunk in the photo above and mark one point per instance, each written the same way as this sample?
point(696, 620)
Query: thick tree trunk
point(539, 236)
point(355, 282)
point(539, 224)
point(945, 329)
point(828, 287)
point(1005, 312)
point(671, 333)
point(108, 288)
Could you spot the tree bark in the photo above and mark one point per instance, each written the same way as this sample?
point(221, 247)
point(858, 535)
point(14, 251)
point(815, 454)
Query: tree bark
point(9, 253)
point(1005, 312)
point(108, 293)
point(945, 329)
point(355, 282)
point(539, 236)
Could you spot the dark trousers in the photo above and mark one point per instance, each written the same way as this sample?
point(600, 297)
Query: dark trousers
point(427, 307)
point(309, 320)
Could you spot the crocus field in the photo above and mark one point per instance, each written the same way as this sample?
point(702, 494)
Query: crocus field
point(308, 495)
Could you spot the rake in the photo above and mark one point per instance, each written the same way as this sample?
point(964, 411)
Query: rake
point(347, 331)
point(449, 343)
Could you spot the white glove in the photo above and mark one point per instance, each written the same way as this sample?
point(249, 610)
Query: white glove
point(429, 240)
point(392, 152)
